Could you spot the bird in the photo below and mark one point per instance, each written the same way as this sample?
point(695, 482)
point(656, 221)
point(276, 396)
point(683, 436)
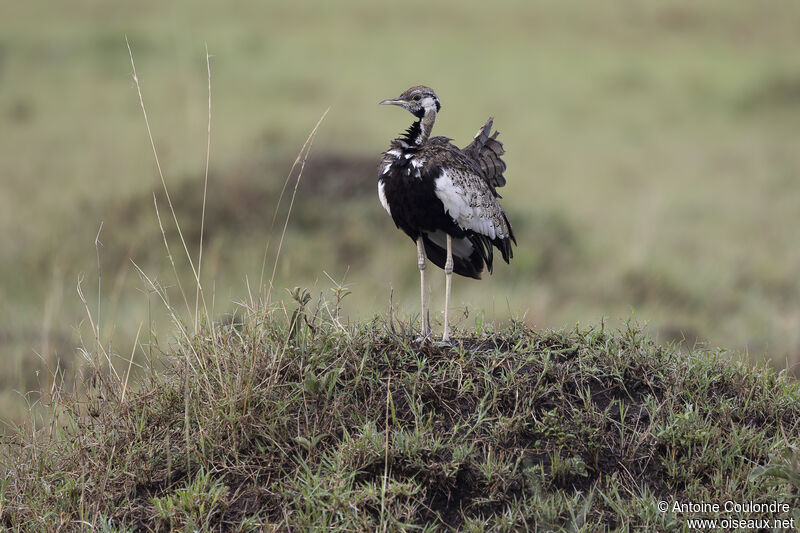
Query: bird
point(444, 197)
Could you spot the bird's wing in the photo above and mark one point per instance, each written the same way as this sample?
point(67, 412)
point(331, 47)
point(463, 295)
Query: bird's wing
point(486, 150)
point(470, 202)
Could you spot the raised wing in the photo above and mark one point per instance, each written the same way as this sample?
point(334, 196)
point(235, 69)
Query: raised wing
point(486, 150)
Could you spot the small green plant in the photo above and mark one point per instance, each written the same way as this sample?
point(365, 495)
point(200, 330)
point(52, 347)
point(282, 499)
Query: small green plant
point(553, 427)
point(108, 525)
point(301, 297)
point(781, 470)
point(195, 506)
point(563, 468)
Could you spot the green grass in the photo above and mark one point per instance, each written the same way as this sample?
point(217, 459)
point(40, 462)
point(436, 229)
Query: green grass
point(651, 150)
point(311, 423)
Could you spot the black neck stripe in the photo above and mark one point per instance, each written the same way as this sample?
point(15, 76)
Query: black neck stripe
point(412, 134)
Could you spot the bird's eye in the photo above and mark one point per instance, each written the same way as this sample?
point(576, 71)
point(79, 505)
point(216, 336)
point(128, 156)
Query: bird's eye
point(416, 97)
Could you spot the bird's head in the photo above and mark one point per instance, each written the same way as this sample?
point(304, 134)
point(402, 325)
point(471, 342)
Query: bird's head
point(417, 100)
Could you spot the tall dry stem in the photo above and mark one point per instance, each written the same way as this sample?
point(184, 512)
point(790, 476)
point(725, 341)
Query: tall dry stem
point(299, 160)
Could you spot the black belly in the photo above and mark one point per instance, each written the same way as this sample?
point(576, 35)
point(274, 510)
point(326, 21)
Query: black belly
point(413, 203)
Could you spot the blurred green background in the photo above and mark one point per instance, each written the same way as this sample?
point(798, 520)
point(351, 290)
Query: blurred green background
point(653, 154)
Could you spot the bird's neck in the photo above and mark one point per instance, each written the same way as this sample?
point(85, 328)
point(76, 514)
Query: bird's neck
point(420, 131)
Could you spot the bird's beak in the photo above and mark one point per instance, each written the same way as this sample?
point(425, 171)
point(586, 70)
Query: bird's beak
point(393, 101)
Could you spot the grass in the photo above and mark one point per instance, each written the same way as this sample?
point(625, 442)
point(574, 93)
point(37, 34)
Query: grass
point(277, 423)
point(651, 150)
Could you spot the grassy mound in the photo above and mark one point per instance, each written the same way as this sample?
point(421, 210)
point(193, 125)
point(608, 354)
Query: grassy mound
point(258, 426)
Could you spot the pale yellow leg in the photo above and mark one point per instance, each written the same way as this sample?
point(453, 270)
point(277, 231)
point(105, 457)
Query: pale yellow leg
point(448, 273)
point(421, 265)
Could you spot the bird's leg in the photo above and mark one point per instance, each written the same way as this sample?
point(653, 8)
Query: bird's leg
point(448, 273)
point(421, 265)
